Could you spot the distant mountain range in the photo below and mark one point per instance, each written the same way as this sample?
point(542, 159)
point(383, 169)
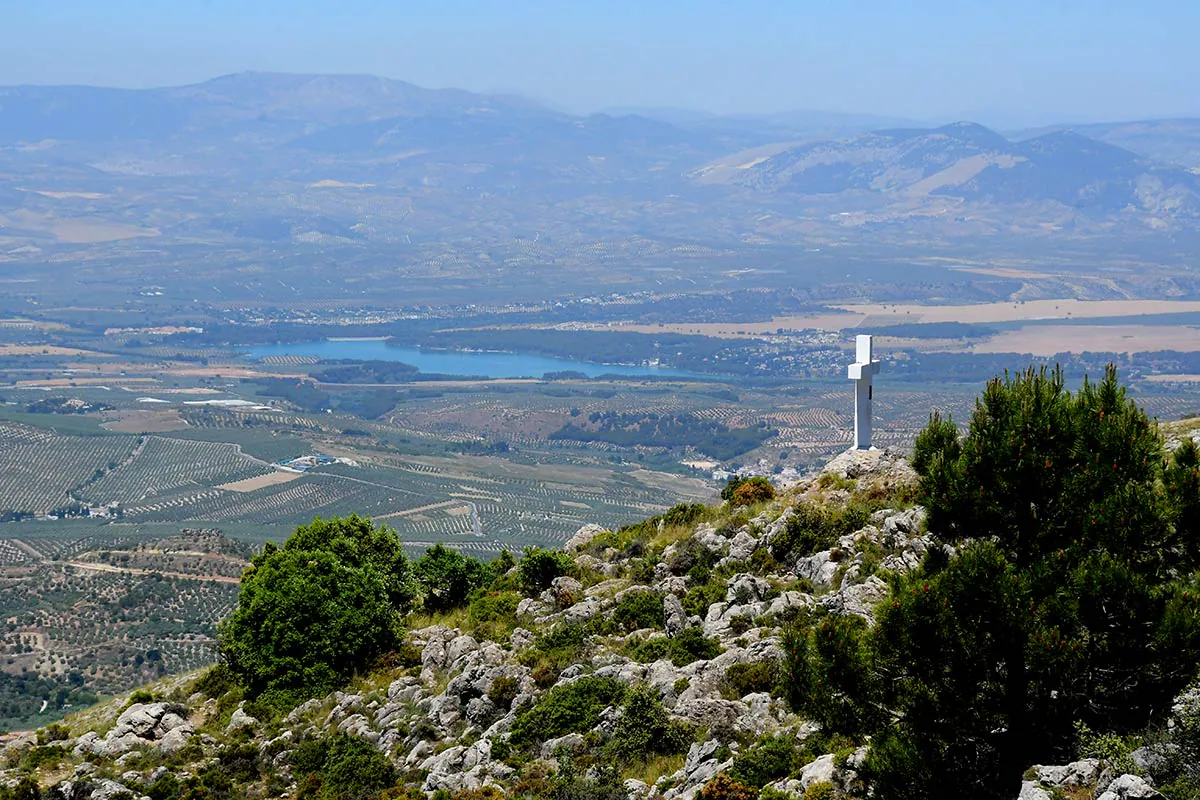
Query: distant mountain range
point(971, 163)
point(360, 160)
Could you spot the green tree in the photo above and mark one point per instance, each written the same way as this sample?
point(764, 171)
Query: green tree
point(447, 577)
point(359, 543)
point(1070, 597)
point(645, 728)
point(307, 621)
point(538, 567)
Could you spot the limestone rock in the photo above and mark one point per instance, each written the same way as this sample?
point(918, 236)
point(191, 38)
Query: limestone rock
point(746, 588)
point(859, 599)
point(742, 546)
point(1078, 773)
point(1032, 791)
point(583, 537)
point(822, 770)
point(1130, 787)
point(887, 466)
point(240, 719)
point(521, 638)
point(675, 616)
point(572, 742)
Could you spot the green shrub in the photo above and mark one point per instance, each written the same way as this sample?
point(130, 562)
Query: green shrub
point(569, 708)
point(355, 770)
point(645, 729)
point(698, 598)
point(821, 790)
point(767, 760)
point(756, 676)
point(305, 623)
point(504, 690)
point(567, 783)
point(937, 442)
point(359, 544)
point(829, 675)
point(651, 650)
point(538, 567)
point(638, 610)
point(685, 647)
point(447, 577)
point(770, 793)
point(488, 607)
point(684, 514)
point(216, 681)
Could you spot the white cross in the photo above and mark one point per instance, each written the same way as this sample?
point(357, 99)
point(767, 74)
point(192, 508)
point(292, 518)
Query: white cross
point(861, 372)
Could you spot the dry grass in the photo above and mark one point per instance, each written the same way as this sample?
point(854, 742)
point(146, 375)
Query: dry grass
point(260, 481)
point(48, 350)
point(135, 421)
point(654, 768)
point(1047, 340)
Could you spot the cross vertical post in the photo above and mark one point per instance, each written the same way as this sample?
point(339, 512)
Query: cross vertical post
point(861, 372)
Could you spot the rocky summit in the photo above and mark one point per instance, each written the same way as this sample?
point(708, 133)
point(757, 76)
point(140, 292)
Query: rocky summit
point(671, 630)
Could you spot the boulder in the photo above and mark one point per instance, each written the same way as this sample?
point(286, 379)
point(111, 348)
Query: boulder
point(746, 588)
point(859, 599)
point(741, 547)
point(1032, 791)
point(140, 719)
point(636, 790)
point(521, 638)
point(572, 742)
point(240, 719)
point(884, 466)
point(819, 568)
point(1130, 787)
point(822, 770)
point(1083, 773)
point(673, 613)
point(176, 739)
point(459, 647)
point(583, 537)
point(582, 611)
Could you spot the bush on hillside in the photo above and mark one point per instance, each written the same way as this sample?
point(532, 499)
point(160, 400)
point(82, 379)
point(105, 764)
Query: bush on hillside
point(723, 787)
point(360, 544)
point(644, 729)
point(447, 578)
point(341, 767)
point(307, 620)
point(567, 708)
point(538, 567)
point(755, 676)
point(748, 491)
point(767, 760)
point(638, 610)
point(685, 647)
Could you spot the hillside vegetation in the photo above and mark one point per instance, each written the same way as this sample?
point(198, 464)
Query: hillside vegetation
point(1023, 596)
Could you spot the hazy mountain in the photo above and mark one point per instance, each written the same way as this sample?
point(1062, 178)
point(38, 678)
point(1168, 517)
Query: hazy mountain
point(1174, 141)
point(227, 106)
point(309, 161)
point(968, 162)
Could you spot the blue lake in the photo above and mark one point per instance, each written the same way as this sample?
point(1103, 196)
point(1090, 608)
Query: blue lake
point(457, 362)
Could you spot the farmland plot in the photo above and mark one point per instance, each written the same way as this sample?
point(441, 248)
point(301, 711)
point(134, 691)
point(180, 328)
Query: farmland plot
point(162, 466)
point(38, 468)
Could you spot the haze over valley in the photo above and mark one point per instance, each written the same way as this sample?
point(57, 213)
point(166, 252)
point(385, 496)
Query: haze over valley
point(365, 440)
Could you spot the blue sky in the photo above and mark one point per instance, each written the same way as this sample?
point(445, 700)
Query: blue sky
point(1010, 62)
